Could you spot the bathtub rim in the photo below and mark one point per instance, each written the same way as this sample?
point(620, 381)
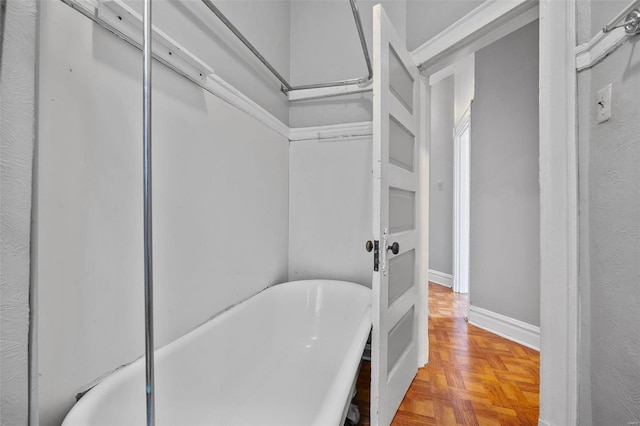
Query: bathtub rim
point(338, 393)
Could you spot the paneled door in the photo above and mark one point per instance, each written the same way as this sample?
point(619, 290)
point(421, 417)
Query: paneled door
point(394, 346)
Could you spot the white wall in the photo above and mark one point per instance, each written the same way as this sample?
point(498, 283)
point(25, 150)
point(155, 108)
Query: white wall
point(17, 134)
point(330, 210)
point(441, 170)
point(505, 218)
point(220, 206)
point(609, 339)
point(330, 192)
point(325, 47)
point(264, 23)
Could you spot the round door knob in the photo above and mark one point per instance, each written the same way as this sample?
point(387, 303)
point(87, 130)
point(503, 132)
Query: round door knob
point(395, 248)
point(369, 246)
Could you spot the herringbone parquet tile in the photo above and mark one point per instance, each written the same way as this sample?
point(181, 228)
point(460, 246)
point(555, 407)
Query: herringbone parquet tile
point(473, 377)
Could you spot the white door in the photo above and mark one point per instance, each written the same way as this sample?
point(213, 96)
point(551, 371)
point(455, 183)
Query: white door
point(461, 208)
point(394, 348)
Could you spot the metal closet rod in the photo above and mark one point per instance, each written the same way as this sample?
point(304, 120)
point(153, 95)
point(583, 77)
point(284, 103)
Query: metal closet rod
point(631, 16)
point(147, 214)
point(286, 87)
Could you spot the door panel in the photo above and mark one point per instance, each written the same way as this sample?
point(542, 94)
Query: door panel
point(402, 210)
point(402, 146)
point(400, 80)
point(401, 277)
point(395, 182)
point(400, 338)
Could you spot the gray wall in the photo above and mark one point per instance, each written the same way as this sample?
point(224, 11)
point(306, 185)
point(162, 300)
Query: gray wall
point(441, 170)
point(17, 134)
point(425, 19)
point(220, 206)
point(505, 219)
point(609, 357)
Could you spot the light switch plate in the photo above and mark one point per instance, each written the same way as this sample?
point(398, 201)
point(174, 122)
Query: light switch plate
point(604, 103)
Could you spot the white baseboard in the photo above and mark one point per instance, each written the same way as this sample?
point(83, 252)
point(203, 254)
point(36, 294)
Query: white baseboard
point(509, 328)
point(441, 278)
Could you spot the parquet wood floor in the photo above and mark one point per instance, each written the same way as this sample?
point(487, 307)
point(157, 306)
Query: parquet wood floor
point(473, 377)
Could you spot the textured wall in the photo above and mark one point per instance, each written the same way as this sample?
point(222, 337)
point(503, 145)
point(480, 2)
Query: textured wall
point(17, 134)
point(220, 206)
point(505, 205)
point(3, 10)
point(441, 170)
point(602, 11)
point(610, 241)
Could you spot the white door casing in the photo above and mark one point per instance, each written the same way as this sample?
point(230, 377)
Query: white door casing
point(461, 202)
point(396, 307)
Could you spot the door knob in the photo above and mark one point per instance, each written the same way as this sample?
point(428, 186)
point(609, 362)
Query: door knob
point(395, 248)
point(369, 246)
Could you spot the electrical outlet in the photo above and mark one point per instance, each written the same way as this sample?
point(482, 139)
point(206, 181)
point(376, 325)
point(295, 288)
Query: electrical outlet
point(604, 103)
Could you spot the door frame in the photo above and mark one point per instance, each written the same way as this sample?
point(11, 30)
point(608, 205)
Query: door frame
point(558, 175)
point(558, 214)
point(461, 204)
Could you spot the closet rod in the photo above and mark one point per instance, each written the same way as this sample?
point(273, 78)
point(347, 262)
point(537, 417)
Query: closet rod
point(631, 16)
point(147, 211)
point(243, 39)
point(286, 87)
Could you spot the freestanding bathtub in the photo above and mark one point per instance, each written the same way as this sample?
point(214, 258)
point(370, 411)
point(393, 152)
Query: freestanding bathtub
point(286, 356)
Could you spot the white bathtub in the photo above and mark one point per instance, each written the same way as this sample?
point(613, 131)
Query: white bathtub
point(287, 356)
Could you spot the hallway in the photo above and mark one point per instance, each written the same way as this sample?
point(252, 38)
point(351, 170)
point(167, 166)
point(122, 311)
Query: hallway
point(473, 377)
